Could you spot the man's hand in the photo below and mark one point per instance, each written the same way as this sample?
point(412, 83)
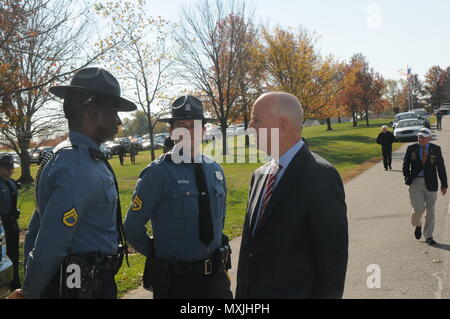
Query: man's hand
point(16, 294)
point(443, 191)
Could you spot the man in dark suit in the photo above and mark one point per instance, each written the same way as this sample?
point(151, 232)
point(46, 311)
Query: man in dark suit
point(295, 238)
point(422, 163)
point(385, 139)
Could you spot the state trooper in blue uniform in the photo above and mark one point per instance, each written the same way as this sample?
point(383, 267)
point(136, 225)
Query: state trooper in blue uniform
point(77, 220)
point(9, 214)
point(184, 197)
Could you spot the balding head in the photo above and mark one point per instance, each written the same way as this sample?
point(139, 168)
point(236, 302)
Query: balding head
point(280, 111)
point(281, 104)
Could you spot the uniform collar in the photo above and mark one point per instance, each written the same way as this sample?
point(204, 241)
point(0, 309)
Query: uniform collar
point(78, 138)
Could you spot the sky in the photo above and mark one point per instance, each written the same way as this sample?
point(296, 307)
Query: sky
point(391, 34)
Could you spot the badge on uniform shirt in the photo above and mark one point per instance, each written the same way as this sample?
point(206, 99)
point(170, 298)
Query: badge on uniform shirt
point(70, 218)
point(219, 176)
point(137, 204)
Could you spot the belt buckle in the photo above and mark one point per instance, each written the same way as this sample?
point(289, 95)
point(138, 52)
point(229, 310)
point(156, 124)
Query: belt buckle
point(208, 267)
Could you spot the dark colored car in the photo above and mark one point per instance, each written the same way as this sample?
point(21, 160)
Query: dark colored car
point(445, 109)
point(44, 151)
point(6, 266)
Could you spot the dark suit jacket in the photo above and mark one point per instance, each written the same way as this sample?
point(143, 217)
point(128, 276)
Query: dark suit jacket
point(412, 166)
point(386, 140)
point(300, 246)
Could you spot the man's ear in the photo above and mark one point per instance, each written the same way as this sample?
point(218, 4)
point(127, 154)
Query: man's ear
point(283, 124)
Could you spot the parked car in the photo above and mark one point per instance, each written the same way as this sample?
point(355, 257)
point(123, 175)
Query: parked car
point(423, 116)
point(106, 151)
point(404, 116)
point(117, 143)
point(34, 155)
point(43, 151)
point(407, 129)
point(16, 158)
point(240, 129)
point(445, 109)
point(6, 266)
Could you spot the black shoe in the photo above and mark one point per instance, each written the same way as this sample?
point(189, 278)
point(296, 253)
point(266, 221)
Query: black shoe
point(418, 232)
point(430, 241)
point(385, 169)
point(390, 167)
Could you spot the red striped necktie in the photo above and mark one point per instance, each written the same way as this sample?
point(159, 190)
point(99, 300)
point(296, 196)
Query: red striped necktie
point(270, 185)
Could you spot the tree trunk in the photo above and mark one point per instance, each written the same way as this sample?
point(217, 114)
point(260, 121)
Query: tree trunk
point(355, 123)
point(247, 138)
point(152, 142)
point(25, 177)
point(329, 128)
point(223, 127)
point(339, 119)
point(367, 117)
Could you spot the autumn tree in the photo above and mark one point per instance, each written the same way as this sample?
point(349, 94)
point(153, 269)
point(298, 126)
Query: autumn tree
point(434, 85)
point(251, 78)
point(392, 92)
point(48, 43)
point(363, 89)
point(142, 59)
point(211, 37)
point(412, 95)
point(296, 67)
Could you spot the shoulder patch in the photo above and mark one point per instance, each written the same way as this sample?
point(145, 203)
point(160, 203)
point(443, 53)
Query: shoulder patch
point(70, 218)
point(137, 204)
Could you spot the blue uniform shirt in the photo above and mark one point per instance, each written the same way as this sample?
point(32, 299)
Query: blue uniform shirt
point(166, 193)
point(6, 196)
point(76, 214)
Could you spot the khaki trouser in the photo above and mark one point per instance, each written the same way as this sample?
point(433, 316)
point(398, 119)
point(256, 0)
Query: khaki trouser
point(422, 199)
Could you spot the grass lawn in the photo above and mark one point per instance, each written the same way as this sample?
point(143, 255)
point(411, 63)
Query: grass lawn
point(345, 147)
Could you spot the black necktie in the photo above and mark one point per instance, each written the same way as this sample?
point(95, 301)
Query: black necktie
point(205, 224)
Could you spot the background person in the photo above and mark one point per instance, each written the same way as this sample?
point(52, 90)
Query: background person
point(9, 214)
point(422, 163)
point(386, 139)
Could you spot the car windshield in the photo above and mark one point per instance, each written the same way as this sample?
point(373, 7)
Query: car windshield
point(408, 123)
point(421, 113)
point(405, 117)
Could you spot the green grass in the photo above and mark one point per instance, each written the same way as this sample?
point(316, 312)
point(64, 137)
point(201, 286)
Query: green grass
point(345, 147)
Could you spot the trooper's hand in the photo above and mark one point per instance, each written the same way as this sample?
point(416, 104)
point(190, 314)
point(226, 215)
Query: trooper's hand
point(16, 294)
point(443, 191)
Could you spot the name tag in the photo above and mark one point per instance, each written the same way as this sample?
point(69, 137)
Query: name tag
point(183, 181)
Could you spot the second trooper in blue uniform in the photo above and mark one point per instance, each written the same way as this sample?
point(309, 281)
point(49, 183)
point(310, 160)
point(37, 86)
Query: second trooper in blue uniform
point(184, 197)
point(77, 222)
point(9, 214)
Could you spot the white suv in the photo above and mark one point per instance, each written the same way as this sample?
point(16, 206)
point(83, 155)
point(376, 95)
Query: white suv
point(6, 266)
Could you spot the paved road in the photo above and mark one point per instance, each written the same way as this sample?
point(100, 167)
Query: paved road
point(381, 234)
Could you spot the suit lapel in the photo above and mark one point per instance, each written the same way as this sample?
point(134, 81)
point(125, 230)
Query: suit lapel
point(260, 180)
point(293, 172)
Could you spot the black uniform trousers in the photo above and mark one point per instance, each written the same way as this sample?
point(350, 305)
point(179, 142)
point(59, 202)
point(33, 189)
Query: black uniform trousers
point(200, 287)
point(12, 246)
point(108, 287)
point(387, 156)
